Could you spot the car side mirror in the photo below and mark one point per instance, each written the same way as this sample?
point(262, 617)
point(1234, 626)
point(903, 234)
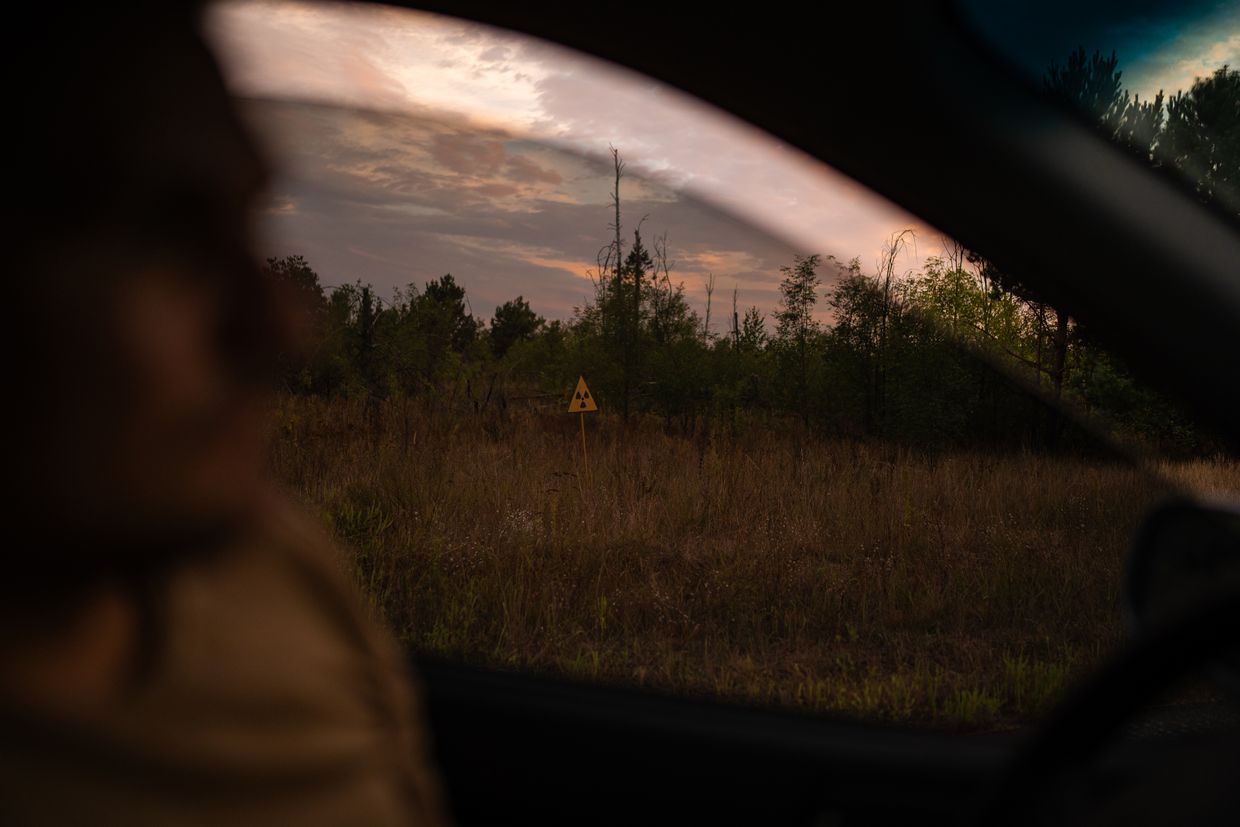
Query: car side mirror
point(1184, 551)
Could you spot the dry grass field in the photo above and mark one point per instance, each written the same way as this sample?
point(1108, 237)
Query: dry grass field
point(951, 591)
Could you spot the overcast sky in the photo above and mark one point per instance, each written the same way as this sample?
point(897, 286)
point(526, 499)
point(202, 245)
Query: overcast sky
point(487, 163)
point(464, 149)
point(395, 200)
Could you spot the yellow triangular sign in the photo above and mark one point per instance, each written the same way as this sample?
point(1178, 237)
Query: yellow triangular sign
point(583, 400)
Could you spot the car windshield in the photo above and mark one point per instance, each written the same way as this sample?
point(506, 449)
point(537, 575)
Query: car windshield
point(598, 381)
point(1159, 78)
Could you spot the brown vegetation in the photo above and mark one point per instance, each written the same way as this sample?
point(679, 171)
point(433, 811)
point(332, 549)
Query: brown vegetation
point(762, 566)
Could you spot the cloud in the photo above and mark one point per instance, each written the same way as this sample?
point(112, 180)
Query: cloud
point(1159, 45)
point(468, 157)
point(451, 130)
point(527, 87)
point(375, 201)
point(495, 54)
point(523, 169)
point(1196, 53)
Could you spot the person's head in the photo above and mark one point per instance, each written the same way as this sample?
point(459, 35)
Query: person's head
point(139, 328)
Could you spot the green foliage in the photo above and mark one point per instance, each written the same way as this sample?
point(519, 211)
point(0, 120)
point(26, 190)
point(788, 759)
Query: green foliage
point(794, 319)
point(925, 358)
point(752, 335)
point(1091, 85)
point(513, 322)
point(939, 358)
point(797, 333)
point(1201, 139)
point(295, 273)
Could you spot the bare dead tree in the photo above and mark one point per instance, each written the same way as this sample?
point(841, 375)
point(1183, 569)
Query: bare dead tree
point(662, 290)
point(616, 254)
point(736, 322)
point(609, 261)
point(954, 253)
point(710, 291)
point(886, 277)
point(662, 266)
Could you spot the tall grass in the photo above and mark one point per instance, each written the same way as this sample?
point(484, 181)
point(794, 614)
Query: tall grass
point(765, 566)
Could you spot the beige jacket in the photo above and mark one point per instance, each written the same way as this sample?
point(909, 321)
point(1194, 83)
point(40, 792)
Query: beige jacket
point(273, 700)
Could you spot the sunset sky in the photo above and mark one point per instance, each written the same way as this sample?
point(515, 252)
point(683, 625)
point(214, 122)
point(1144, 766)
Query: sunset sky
point(453, 147)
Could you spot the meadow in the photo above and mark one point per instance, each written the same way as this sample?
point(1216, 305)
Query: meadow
point(759, 564)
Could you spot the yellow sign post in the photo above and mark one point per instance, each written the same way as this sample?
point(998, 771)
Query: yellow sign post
point(582, 403)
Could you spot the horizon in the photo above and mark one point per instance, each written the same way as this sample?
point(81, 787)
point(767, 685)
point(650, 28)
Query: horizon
point(500, 177)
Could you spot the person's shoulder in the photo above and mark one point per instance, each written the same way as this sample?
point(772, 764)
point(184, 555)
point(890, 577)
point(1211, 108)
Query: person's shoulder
point(287, 526)
point(292, 533)
point(289, 536)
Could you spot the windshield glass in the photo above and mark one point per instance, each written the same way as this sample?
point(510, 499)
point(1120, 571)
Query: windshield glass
point(597, 381)
point(1161, 79)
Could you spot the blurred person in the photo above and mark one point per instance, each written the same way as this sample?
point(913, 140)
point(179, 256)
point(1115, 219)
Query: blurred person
point(178, 644)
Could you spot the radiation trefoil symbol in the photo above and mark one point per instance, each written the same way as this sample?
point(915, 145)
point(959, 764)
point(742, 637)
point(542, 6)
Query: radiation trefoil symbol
point(583, 400)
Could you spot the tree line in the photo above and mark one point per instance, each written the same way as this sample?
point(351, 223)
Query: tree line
point(956, 354)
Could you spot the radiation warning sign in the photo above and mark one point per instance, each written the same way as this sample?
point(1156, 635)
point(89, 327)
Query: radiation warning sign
point(583, 400)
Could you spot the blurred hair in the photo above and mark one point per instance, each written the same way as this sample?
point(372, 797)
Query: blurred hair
point(126, 153)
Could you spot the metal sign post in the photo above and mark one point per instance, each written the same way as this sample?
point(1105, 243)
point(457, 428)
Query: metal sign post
point(582, 403)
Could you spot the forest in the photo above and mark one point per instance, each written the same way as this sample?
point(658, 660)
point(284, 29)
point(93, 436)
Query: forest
point(893, 497)
point(956, 354)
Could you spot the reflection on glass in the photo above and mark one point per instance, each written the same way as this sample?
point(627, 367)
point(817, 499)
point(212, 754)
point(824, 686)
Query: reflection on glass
point(1161, 79)
point(856, 470)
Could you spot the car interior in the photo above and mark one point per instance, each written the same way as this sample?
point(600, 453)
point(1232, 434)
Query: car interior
point(917, 103)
